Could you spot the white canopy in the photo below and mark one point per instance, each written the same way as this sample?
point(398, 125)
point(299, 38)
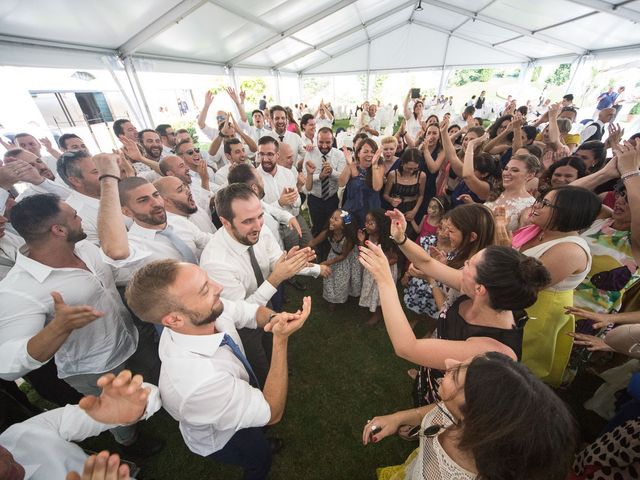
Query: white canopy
point(312, 37)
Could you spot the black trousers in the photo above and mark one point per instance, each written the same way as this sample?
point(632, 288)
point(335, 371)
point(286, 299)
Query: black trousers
point(258, 346)
point(320, 211)
point(249, 449)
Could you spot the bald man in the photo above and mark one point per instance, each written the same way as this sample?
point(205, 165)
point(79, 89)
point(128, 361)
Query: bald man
point(175, 166)
point(180, 205)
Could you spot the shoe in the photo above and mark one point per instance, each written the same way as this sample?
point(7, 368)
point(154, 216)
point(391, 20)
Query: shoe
point(297, 284)
point(275, 444)
point(145, 446)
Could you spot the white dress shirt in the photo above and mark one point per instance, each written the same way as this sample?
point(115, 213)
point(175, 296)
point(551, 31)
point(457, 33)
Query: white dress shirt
point(293, 140)
point(276, 183)
point(205, 387)
point(10, 244)
point(45, 187)
point(26, 306)
point(57, 429)
point(197, 180)
point(273, 218)
point(189, 232)
point(322, 122)
point(202, 196)
point(227, 262)
point(87, 208)
point(337, 161)
point(145, 171)
point(202, 220)
point(4, 196)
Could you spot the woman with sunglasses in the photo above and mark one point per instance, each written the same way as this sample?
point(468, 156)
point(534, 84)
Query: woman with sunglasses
point(477, 431)
point(553, 238)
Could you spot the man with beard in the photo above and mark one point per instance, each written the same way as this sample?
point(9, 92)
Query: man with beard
point(206, 382)
point(247, 261)
point(70, 142)
point(39, 178)
point(174, 166)
point(323, 165)
point(281, 189)
point(192, 158)
point(181, 207)
point(152, 144)
point(134, 152)
point(60, 299)
point(168, 138)
point(279, 122)
point(235, 154)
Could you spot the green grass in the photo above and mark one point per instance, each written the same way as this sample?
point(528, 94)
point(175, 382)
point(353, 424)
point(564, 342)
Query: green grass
point(343, 373)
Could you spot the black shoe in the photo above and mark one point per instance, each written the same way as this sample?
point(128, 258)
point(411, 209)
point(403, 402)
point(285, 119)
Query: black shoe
point(145, 446)
point(297, 284)
point(275, 444)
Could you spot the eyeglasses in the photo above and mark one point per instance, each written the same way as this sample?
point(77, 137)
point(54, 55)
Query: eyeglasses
point(545, 203)
point(266, 154)
point(191, 151)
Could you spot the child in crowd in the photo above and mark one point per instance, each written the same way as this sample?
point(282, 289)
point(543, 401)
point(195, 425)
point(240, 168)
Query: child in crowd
point(418, 296)
point(346, 277)
point(376, 230)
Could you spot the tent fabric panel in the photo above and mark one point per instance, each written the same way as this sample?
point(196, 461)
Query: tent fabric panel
point(439, 16)
point(99, 24)
point(369, 9)
point(389, 21)
point(463, 52)
point(353, 39)
point(304, 62)
point(535, 48)
point(27, 56)
point(352, 61)
point(143, 64)
point(210, 33)
point(478, 5)
point(276, 53)
point(390, 52)
point(330, 26)
point(535, 15)
point(486, 32)
point(598, 31)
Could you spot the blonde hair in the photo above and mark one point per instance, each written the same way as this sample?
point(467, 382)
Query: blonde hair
point(389, 139)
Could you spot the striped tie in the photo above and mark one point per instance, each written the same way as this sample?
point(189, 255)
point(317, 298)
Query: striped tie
point(325, 183)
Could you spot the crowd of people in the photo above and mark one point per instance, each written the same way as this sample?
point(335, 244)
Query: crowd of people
point(168, 261)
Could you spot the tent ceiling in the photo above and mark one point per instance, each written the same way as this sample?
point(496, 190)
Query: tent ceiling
point(323, 36)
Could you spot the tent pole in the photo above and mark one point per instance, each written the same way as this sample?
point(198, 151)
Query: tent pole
point(138, 93)
point(277, 75)
point(300, 89)
point(444, 74)
point(576, 68)
point(127, 98)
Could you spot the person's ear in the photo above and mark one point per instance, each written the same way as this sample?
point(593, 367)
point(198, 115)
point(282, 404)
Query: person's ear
point(173, 320)
point(226, 223)
point(473, 236)
point(126, 211)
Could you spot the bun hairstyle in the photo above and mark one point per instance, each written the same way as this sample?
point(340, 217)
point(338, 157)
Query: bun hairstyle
point(504, 442)
point(511, 278)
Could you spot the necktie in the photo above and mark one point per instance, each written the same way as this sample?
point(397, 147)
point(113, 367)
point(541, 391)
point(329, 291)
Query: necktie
point(281, 138)
point(185, 252)
point(255, 266)
point(325, 183)
point(228, 341)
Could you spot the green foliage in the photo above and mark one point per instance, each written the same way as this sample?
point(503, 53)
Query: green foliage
point(312, 86)
point(635, 110)
point(560, 75)
point(254, 88)
point(379, 85)
point(190, 126)
point(536, 74)
point(469, 75)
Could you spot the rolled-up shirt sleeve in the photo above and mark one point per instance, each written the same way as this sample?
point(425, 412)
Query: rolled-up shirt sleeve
point(21, 318)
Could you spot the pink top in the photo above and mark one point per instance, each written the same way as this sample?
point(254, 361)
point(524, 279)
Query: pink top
point(427, 229)
point(524, 234)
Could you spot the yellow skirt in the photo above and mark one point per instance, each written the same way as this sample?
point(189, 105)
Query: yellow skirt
point(546, 347)
point(397, 472)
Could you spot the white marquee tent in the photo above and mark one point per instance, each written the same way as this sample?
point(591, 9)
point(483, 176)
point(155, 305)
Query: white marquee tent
point(306, 38)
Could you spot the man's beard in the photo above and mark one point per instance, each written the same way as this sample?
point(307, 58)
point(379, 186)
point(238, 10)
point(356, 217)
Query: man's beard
point(212, 317)
point(157, 219)
point(154, 153)
point(184, 207)
point(244, 239)
point(76, 236)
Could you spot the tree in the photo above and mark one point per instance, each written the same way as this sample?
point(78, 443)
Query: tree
point(536, 74)
point(560, 75)
point(468, 75)
point(378, 86)
point(254, 88)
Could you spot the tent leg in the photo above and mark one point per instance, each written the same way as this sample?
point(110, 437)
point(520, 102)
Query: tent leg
point(138, 93)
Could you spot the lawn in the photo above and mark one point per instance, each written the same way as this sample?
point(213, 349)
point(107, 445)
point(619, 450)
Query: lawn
point(343, 372)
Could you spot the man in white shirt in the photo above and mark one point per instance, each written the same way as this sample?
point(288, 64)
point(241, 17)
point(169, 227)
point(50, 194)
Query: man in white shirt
point(281, 190)
point(9, 246)
point(79, 171)
point(206, 382)
point(258, 129)
point(323, 116)
point(322, 184)
point(31, 144)
point(235, 153)
point(246, 260)
point(70, 142)
point(167, 137)
point(174, 166)
point(308, 126)
point(135, 153)
point(152, 144)
point(372, 124)
point(280, 132)
point(36, 175)
point(124, 399)
point(180, 205)
point(60, 299)
point(191, 156)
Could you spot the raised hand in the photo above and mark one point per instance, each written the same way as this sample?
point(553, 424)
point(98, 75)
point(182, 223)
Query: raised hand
point(123, 399)
point(69, 318)
point(232, 93)
point(398, 224)
point(347, 155)
point(615, 136)
point(107, 164)
point(600, 320)
point(554, 110)
point(310, 167)
point(28, 173)
point(208, 98)
point(130, 149)
point(46, 142)
point(628, 157)
point(243, 95)
point(375, 261)
point(9, 173)
point(288, 196)
point(438, 254)
point(284, 324)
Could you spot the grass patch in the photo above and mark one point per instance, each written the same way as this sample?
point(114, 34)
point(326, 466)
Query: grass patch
point(343, 373)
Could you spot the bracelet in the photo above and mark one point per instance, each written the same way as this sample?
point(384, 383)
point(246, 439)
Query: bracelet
point(624, 176)
point(108, 175)
point(404, 240)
